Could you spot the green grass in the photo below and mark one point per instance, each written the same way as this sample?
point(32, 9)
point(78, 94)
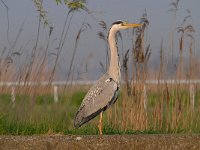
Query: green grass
point(41, 116)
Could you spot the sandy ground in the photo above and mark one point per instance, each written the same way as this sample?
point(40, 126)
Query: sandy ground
point(110, 142)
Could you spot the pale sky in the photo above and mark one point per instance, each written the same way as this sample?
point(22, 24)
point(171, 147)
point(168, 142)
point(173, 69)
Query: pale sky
point(91, 49)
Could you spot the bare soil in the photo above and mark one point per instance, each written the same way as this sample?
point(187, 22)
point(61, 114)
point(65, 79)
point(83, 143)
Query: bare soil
point(106, 142)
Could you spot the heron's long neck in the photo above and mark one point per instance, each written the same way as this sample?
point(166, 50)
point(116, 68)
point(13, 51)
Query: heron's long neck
point(114, 68)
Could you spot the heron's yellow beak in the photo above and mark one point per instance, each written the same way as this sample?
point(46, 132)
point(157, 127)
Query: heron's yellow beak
point(131, 25)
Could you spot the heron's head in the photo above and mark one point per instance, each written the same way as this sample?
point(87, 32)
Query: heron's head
point(118, 25)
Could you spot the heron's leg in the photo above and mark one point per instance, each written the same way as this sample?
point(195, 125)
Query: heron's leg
point(100, 123)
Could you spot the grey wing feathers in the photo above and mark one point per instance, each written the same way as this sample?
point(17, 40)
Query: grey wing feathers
point(99, 98)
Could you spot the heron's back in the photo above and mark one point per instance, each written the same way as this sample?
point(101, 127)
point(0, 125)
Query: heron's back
point(100, 96)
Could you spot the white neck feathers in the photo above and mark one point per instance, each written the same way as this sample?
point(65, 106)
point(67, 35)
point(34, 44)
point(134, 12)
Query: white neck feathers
point(114, 68)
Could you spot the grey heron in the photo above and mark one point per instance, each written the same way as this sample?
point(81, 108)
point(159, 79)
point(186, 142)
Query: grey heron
point(105, 92)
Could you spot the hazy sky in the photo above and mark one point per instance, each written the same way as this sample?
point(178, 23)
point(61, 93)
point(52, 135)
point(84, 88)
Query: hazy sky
point(91, 49)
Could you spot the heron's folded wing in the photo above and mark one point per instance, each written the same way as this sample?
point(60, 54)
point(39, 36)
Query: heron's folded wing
point(99, 98)
point(103, 98)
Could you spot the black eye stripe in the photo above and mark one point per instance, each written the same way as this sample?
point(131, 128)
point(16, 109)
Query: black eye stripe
point(117, 22)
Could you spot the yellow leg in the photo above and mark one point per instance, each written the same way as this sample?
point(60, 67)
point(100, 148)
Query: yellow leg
point(100, 123)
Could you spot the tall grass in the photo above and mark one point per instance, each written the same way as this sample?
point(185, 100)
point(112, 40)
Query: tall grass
point(170, 108)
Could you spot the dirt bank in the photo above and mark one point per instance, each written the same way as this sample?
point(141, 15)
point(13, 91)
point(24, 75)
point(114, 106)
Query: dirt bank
point(111, 142)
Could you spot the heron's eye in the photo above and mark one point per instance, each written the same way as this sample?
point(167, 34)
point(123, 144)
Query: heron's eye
point(123, 23)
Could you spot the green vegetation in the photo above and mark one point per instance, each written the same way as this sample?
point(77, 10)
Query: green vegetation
point(28, 116)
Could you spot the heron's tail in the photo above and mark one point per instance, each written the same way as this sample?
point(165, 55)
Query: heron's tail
point(80, 119)
point(77, 120)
